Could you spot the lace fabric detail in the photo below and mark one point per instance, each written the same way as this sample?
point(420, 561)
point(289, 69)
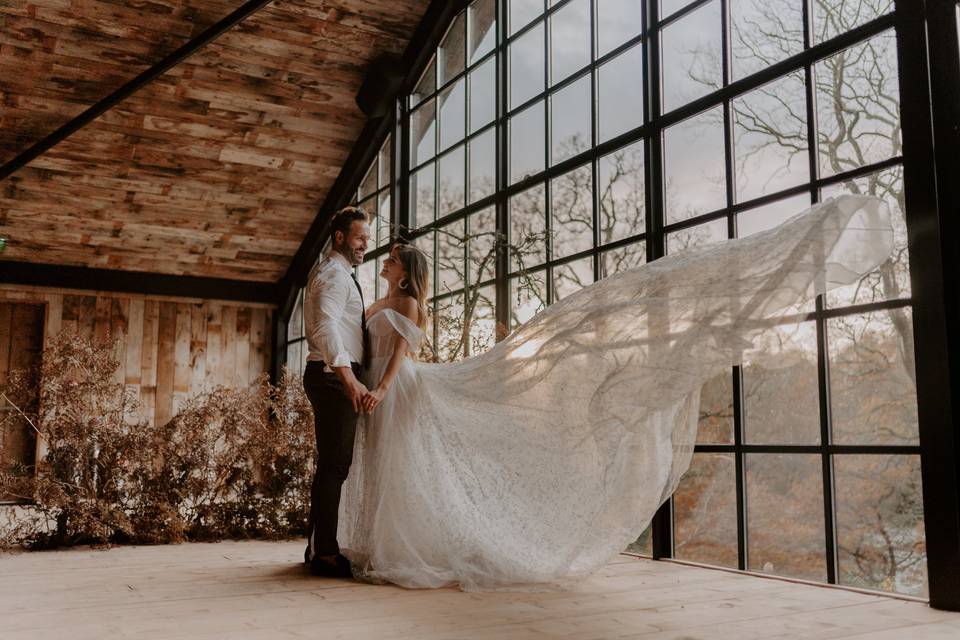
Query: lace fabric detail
point(533, 464)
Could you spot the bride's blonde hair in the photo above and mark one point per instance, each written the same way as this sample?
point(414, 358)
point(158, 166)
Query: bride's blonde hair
point(417, 284)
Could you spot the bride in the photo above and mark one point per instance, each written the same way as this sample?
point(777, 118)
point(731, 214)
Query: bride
point(535, 463)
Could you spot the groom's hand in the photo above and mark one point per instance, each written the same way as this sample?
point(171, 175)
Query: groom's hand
point(355, 390)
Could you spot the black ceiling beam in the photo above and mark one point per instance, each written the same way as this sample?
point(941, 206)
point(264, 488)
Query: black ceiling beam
point(128, 89)
point(159, 284)
point(416, 56)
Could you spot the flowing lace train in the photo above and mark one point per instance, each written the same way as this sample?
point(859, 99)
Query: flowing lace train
point(533, 464)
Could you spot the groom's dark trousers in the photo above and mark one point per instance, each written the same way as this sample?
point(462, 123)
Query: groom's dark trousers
point(335, 423)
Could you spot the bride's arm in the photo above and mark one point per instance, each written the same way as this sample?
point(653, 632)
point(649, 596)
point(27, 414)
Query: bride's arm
point(407, 307)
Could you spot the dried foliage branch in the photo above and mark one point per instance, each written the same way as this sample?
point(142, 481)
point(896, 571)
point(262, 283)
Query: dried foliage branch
point(230, 463)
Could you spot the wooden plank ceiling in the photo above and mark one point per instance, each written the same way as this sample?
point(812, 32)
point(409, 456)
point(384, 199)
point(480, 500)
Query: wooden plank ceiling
point(215, 169)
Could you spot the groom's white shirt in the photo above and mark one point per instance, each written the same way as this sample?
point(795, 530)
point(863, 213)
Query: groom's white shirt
point(332, 313)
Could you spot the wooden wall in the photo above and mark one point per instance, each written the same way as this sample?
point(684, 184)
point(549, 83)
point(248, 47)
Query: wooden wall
point(173, 347)
point(21, 340)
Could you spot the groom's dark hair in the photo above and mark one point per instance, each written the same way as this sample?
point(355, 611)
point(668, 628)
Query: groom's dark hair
point(344, 218)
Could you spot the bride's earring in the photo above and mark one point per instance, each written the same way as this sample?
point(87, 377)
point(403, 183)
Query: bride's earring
point(403, 284)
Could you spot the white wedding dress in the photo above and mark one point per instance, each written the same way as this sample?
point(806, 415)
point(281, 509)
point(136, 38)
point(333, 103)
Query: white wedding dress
point(533, 464)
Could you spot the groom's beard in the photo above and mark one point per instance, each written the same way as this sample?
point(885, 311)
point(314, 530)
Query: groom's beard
point(353, 256)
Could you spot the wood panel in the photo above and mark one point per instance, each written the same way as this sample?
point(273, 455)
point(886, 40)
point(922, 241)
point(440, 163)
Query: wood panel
point(77, 52)
point(218, 167)
point(21, 341)
point(170, 348)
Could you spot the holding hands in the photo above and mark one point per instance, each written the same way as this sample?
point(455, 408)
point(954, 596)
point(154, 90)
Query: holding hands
point(373, 398)
point(362, 399)
point(356, 392)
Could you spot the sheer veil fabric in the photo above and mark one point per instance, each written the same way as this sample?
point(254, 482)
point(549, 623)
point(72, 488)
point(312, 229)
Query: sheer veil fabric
point(532, 465)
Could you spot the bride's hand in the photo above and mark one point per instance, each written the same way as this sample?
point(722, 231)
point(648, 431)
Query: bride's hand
point(373, 398)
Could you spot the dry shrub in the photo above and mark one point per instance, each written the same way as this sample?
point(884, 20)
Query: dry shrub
point(230, 463)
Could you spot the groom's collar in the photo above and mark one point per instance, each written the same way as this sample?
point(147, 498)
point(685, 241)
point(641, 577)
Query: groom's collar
point(340, 260)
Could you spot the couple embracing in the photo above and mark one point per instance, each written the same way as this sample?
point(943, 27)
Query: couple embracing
point(351, 366)
point(535, 463)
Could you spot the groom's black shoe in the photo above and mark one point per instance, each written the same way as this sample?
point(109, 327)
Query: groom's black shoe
point(341, 569)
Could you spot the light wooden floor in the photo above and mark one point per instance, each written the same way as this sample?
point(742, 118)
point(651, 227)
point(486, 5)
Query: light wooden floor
point(245, 590)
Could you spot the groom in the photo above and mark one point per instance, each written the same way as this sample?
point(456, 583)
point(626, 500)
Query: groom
point(336, 329)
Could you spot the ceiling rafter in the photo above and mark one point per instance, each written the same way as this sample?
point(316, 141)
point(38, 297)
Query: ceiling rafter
point(129, 88)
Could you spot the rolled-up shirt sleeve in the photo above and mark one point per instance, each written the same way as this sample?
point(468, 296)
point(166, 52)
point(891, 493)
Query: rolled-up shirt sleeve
point(330, 297)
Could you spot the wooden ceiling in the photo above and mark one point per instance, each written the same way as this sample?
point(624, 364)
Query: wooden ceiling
point(218, 167)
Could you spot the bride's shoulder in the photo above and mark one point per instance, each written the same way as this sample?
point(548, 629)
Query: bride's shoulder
point(405, 306)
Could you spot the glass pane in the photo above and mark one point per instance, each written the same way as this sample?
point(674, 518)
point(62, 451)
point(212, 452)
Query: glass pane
point(764, 33)
point(880, 536)
point(570, 127)
point(528, 297)
point(449, 320)
point(427, 84)
point(383, 223)
point(482, 16)
point(451, 54)
point(571, 203)
point(569, 40)
point(622, 258)
point(832, 18)
point(522, 12)
point(770, 138)
point(452, 114)
point(891, 280)
point(873, 387)
point(425, 243)
point(528, 228)
point(617, 22)
point(452, 189)
point(386, 157)
point(423, 142)
point(571, 277)
point(669, 7)
point(620, 94)
point(451, 264)
point(785, 533)
point(770, 215)
point(367, 276)
point(786, 378)
point(422, 197)
point(692, 60)
point(692, 237)
point(694, 166)
point(293, 357)
point(369, 183)
point(527, 142)
point(380, 290)
point(481, 251)
point(480, 321)
point(483, 94)
point(705, 511)
point(858, 105)
point(369, 207)
point(483, 165)
point(295, 324)
point(526, 66)
point(622, 194)
point(716, 410)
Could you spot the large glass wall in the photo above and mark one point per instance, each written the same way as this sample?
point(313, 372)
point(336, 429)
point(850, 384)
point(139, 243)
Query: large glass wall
point(552, 143)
